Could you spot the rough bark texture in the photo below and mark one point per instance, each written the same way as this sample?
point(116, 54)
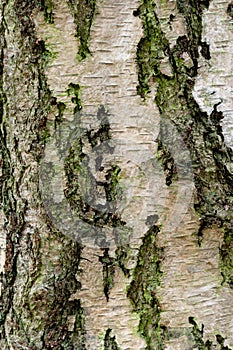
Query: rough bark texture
point(148, 83)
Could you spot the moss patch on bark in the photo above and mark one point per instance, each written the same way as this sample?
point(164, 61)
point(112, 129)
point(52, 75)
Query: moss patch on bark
point(108, 272)
point(83, 12)
point(41, 264)
point(198, 338)
point(80, 176)
point(47, 7)
point(143, 291)
point(202, 134)
point(110, 341)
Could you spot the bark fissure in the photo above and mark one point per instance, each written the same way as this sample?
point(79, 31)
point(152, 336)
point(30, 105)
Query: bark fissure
point(41, 264)
point(83, 12)
point(108, 272)
point(47, 300)
point(84, 199)
point(110, 341)
point(198, 338)
point(202, 135)
point(144, 290)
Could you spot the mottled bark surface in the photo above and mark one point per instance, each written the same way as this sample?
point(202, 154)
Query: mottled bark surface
point(148, 83)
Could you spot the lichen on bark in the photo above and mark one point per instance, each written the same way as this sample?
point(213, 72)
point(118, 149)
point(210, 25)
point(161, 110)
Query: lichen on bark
point(144, 290)
point(41, 264)
point(110, 341)
point(84, 198)
point(83, 12)
point(202, 134)
point(198, 338)
point(48, 265)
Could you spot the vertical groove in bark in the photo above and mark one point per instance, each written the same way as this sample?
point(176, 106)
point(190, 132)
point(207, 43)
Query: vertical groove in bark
point(187, 123)
point(211, 158)
point(40, 264)
point(40, 302)
point(144, 290)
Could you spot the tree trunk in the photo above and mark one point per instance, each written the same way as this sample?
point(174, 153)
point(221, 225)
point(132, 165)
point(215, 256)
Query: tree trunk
point(116, 174)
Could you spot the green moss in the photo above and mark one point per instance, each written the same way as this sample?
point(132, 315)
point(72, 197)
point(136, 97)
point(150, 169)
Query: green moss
point(201, 134)
point(79, 172)
point(40, 307)
point(122, 257)
point(198, 338)
point(47, 8)
point(226, 256)
point(79, 332)
point(112, 189)
point(83, 12)
point(61, 106)
point(151, 47)
point(108, 272)
point(198, 335)
point(110, 341)
point(74, 90)
point(143, 291)
point(168, 163)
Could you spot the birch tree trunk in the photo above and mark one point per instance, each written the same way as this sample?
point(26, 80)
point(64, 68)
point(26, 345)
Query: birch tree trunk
point(116, 174)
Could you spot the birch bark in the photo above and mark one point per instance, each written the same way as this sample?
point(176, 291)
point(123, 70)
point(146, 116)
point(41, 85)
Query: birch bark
point(116, 174)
